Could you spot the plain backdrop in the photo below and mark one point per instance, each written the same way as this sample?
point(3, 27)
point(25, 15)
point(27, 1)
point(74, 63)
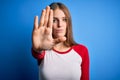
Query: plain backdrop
point(96, 24)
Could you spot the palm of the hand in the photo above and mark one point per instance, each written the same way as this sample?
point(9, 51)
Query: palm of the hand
point(43, 36)
point(47, 40)
point(42, 32)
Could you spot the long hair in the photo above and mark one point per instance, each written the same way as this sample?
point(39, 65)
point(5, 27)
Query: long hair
point(69, 34)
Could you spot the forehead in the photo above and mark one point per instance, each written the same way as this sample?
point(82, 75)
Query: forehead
point(58, 13)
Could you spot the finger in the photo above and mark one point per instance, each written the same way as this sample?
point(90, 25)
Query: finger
point(50, 23)
point(42, 18)
point(36, 22)
point(58, 40)
point(47, 15)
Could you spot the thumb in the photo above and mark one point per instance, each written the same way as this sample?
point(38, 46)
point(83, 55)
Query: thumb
point(60, 39)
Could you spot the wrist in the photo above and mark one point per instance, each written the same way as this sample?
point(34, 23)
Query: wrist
point(37, 50)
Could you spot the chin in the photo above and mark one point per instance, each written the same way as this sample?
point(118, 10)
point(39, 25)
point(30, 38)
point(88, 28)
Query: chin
point(60, 35)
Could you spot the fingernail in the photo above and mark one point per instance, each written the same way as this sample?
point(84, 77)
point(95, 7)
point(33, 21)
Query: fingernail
point(48, 6)
point(43, 10)
point(36, 16)
point(51, 10)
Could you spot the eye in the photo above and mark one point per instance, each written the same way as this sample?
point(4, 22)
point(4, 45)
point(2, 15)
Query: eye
point(54, 20)
point(65, 19)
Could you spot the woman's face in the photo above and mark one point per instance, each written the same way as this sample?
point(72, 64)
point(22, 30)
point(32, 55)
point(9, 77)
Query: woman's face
point(59, 23)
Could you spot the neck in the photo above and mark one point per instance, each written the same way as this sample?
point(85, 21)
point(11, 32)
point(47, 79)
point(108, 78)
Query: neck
point(61, 47)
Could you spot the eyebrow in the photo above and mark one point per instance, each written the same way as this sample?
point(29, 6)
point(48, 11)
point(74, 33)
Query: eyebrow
point(57, 18)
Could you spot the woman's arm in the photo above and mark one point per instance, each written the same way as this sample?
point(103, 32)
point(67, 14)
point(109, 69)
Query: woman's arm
point(38, 55)
point(85, 65)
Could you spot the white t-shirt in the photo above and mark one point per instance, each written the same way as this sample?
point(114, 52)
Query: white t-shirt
point(55, 65)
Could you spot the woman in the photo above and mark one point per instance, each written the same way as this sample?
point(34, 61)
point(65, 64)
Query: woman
point(59, 56)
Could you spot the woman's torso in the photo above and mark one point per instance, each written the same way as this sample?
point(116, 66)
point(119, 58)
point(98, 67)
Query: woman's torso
point(61, 65)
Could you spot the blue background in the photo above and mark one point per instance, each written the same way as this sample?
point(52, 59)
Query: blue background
point(96, 24)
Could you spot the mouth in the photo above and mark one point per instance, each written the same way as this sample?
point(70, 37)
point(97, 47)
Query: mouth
point(59, 31)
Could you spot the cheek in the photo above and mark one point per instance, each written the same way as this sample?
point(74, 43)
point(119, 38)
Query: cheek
point(53, 29)
point(54, 26)
point(65, 27)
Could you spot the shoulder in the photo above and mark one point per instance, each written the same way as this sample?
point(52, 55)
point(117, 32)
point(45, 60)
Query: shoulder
point(80, 47)
point(81, 50)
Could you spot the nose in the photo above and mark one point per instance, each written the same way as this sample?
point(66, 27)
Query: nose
point(59, 23)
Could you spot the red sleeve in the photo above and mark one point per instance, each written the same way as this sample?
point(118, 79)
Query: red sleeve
point(83, 52)
point(38, 56)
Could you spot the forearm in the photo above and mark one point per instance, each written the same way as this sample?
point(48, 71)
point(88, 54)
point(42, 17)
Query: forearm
point(38, 54)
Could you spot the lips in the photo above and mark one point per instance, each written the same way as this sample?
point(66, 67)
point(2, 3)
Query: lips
point(59, 30)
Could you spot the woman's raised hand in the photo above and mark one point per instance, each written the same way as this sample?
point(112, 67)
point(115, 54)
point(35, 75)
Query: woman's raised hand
point(42, 32)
